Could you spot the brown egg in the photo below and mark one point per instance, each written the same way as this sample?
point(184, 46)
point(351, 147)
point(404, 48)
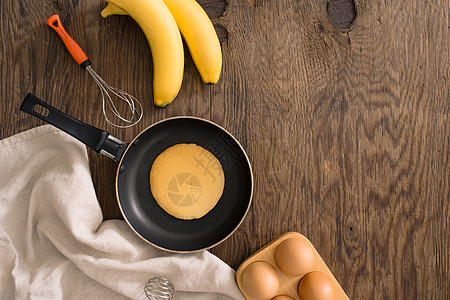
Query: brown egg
point(260, 280)
point(316, 286)
point(283, 297)
point(294, 256)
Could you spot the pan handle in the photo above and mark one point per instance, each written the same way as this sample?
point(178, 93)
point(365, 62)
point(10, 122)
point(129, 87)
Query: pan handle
point(98, 140)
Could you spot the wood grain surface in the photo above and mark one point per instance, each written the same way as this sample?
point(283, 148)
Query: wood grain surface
point(345, 120)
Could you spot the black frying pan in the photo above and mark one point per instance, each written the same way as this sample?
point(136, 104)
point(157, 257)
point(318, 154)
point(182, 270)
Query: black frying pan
point(135, 159)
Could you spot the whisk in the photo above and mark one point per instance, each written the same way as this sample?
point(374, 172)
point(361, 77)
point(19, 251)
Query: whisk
point(78, 54)
point(159, 288)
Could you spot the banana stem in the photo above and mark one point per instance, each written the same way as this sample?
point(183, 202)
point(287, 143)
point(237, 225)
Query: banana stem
point(112, 9)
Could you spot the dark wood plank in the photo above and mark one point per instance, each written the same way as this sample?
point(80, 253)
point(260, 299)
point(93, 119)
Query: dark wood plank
point(345, 129)
point(347, 126)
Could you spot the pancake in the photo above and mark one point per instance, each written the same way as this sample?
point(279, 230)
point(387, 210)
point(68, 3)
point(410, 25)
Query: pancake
point(187, 181)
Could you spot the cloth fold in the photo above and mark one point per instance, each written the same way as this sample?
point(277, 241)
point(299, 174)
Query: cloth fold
point(54, 243)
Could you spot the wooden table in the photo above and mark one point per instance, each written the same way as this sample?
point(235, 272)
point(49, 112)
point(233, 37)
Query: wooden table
point(343, 111)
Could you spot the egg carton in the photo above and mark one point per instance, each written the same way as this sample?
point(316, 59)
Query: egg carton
point(288, 284)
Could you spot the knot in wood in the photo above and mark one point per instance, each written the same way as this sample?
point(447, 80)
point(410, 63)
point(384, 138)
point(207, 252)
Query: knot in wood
point(342, 13)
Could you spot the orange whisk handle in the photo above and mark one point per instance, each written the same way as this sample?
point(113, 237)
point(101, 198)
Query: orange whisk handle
point(75, 50)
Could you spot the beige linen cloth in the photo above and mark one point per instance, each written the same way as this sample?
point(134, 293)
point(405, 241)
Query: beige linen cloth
point(54, 243)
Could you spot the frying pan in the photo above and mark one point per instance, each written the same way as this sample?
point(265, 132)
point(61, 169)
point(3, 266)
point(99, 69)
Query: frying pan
point(139, 209)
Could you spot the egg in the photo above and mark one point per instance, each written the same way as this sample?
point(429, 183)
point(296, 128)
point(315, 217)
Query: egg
point(316, 286)
point(294, 257)
point(260, 281)
point(283, 297)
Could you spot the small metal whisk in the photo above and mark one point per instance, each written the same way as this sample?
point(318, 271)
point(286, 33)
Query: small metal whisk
point(136, 110)
point(159, 288)
point(134, 106)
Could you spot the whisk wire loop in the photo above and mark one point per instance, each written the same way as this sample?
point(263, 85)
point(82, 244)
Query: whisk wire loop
point(133, 104)
point(159, 288)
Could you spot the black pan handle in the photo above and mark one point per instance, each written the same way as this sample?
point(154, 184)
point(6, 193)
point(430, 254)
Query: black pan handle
point(99, 140)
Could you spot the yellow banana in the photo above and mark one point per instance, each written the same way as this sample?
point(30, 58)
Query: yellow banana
point(164, 39)
point(200, 37)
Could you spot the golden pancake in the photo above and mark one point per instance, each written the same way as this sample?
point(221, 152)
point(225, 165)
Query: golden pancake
point(187, 181)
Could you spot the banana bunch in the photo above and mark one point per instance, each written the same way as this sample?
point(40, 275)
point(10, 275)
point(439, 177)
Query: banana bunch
point(161, 21)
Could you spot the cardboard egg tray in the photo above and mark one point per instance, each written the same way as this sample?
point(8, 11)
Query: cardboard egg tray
point(288, 284)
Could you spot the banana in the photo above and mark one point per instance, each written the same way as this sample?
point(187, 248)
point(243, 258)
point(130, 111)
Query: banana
point(164, 39)
point(200, 37)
